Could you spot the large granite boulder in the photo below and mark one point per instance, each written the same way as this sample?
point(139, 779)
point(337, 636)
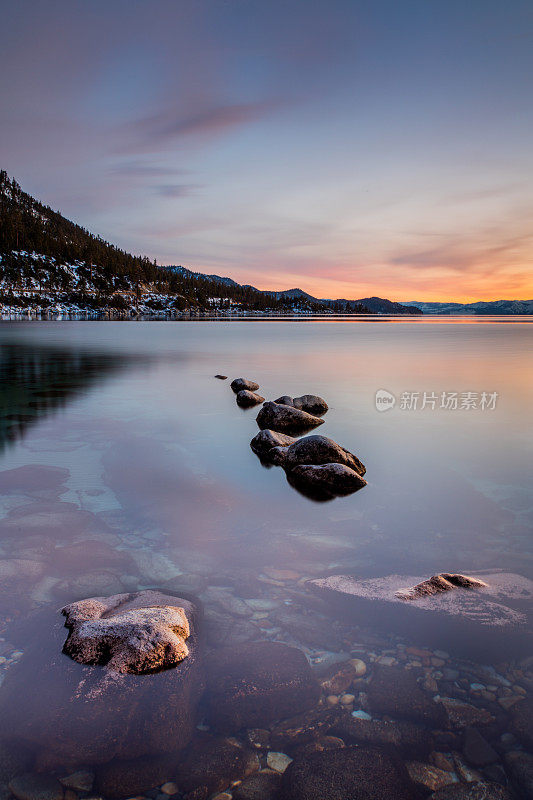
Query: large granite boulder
point(317, 450)
point(246, 399)
point(311, 403)
point(124, 634)
point(286, 419)
point(353, 772)
point(478, 622)
point(256, 683)
point(239, 384)
point(124, 701)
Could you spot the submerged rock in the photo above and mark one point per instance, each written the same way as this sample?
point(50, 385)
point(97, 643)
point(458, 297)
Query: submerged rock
point(354, 772)
point(438, 584)
point(521, 725)
point(72, 714)
point(479, 624)
point(130, 777)
point(479, 790)
point(286, 419)
point(477, 750)
point(32, 786)
point(520, 766)
point(395, 691)
point(242, 383)
point(410, 739)
point(247, 399)
point(428, 776)
point(328, 480)
point(256, 683)
point(311, 403)
point(128, 633)
point(264, 785)
point(214, 765)
point(266, 440)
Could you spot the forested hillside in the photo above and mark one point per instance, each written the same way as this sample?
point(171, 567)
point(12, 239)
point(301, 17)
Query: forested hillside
point(49, 262)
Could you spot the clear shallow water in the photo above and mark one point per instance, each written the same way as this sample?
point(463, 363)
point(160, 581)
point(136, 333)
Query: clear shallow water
point(128, 440)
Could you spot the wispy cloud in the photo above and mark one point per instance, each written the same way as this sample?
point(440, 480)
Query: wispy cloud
point(156, 132)
point(176, 189)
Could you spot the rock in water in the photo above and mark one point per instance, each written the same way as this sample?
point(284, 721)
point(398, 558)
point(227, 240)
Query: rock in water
point(311, 403)
point(247, 399)
point(256, 683)
point(353, 772)
point(325, 481)
point(242, 383)
point(478, 790)
point(318, 450)
point(286, 419)
point(214, 764)
point(438, 584)
point(72, 714)
point(125, 634)
point(32, 786)
point(394, 691)
point(265, 440)
point(478, 624)
point(222, 377)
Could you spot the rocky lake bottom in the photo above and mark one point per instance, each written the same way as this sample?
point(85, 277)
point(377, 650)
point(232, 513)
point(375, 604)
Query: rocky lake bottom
point(126, 471)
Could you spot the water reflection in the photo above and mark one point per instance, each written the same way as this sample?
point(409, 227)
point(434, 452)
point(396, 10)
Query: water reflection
point(35, 382)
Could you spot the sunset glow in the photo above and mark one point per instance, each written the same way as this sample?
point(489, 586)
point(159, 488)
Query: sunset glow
point(349, 149)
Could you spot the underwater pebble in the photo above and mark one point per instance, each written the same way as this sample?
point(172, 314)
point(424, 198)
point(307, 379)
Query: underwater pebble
point(359, 666)
point(360, 714)
point(169, 788)
point(347, 699)
point(278, 761)
point(332, 700)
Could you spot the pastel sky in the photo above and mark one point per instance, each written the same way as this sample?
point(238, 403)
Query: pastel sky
point(349, 148)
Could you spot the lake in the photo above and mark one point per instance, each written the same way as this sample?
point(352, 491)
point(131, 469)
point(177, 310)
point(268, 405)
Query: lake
point(124, 465)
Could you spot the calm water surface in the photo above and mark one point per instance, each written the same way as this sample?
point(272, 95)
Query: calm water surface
point(118, 433)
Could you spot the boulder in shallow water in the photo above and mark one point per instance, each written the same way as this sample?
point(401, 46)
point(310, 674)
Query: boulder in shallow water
point(325, 480)
point(247, 399)
point(266, 440)
point(318, 450)
point(478, 623)
point(243, 383)
point(69, 713)
point(286, 419)
point(354, 772)
point(311, 403)
point(127, 633)
point(256, 683)
point(445, 582)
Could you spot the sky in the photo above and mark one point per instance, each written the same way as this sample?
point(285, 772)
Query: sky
point(347, 148)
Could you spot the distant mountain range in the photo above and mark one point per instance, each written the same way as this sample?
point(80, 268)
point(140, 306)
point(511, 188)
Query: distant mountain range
point(368, 305)
point(482, 307)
